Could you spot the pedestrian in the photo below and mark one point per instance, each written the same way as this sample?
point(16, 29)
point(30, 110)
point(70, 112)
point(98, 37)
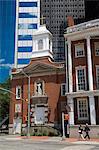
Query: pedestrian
point(80, 131)
point(87, 129)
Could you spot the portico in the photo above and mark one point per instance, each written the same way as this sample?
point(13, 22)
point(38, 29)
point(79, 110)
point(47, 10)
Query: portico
point(80, 72)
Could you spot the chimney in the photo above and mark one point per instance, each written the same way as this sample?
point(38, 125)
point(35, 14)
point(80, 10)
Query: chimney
point(70, 21)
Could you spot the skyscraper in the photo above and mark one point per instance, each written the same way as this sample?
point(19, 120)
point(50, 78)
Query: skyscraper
point(27, 21)
point(55, 12)
point(91, 9)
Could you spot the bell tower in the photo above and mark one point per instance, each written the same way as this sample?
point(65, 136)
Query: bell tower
point(42, 43)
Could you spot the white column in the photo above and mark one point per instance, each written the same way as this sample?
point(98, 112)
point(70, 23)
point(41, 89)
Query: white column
point(66, 58)
point(16, 34)
point(90, 76)
point(69, 66)
point(47, 43)
point(70, 102)
point(92, 110)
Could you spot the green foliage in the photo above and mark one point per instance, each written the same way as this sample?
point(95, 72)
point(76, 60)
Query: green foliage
point(4, 99)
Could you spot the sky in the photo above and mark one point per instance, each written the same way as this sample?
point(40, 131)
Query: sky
point(7, 37)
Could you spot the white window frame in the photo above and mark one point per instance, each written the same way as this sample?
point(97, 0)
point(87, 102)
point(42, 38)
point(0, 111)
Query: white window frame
point(63, 84)
point(78, 109)
point(97, 81)
point(96, 45)
point(80, 68)
point(18, 88)
point(78, 48)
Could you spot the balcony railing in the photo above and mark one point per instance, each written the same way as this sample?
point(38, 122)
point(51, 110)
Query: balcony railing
point(82, 26)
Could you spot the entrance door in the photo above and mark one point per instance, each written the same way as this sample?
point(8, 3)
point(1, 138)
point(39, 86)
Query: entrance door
point(17, 126)
point(97, 110)
point(39, 115)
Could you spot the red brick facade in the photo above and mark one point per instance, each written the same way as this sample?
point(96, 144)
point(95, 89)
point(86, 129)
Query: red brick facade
point(53, 76)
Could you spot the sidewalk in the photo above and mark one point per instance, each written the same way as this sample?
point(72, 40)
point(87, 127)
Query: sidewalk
point(69, 140)
point(47, 138)
point(73, 140)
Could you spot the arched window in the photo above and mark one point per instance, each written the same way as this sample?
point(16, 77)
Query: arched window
point(40, 44)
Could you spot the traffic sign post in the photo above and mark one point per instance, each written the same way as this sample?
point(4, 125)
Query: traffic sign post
point(65, 125)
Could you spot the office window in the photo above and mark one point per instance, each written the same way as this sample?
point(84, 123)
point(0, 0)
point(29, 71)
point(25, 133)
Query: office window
point(18, 92)
point(79, 50)
point(63, 89)
point(80, 78)
point(82, 107)
point(96, 48)
point(27, 4)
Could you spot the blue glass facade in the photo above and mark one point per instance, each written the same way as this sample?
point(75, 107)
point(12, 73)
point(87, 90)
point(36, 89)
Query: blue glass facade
point(24, 37)
point(28, 4)
point(23, 61)
point(27, 22)
point(27, 15)
point(27, 26)
point(25, 49)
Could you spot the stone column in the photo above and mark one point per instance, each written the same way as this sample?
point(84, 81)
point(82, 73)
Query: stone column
point(92, 110)
point(70, 66)
point(71, 113)
point(90, 76)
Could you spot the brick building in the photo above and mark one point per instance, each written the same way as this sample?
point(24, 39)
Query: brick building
point(53, 89)
point(47, 87)
point(82, 72)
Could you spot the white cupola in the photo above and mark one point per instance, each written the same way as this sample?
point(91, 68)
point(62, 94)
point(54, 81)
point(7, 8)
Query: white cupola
point(42, 43)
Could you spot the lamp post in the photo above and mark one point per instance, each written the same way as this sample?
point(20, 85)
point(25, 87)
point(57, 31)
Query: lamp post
point(28, 128)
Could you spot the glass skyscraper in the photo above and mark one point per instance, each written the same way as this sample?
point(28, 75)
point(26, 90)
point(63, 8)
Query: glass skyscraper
point(27, 21)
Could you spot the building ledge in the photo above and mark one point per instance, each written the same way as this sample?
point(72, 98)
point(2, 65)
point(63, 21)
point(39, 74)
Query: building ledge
point(83, 26)
point(83, 93)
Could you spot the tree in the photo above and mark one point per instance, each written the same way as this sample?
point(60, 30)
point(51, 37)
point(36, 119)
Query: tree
point(4, 100)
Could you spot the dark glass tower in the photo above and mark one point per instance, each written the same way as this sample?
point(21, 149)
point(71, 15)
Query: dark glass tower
point(56, 12)
point(91, 9)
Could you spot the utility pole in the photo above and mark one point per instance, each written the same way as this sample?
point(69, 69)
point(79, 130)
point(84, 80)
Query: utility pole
point(28, 129)
point(63, 137)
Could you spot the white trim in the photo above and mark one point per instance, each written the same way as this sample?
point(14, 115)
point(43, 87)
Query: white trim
point(28, 9)
point(24, 55)
point(96, 44)
point(70, 67)
point(26, 31)
point(82, 99)
point(16, 33)
point(97, 82)
point(81, 46)
point(26, 0)
point(27, 20)
point(76, 69)
point(25, 43)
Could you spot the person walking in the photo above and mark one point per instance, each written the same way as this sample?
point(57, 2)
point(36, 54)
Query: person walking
point(87, 129)
point(80, 130)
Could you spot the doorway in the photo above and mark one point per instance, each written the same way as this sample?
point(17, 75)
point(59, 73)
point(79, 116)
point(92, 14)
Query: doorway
point(39, 114)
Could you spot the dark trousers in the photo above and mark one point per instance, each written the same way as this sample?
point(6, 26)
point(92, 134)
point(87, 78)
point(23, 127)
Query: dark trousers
point(87, 135)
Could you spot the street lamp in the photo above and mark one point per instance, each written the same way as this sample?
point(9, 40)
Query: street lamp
point(28, 129)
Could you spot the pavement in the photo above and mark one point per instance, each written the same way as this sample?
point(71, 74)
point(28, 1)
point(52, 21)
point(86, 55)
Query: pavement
point(54, 139)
